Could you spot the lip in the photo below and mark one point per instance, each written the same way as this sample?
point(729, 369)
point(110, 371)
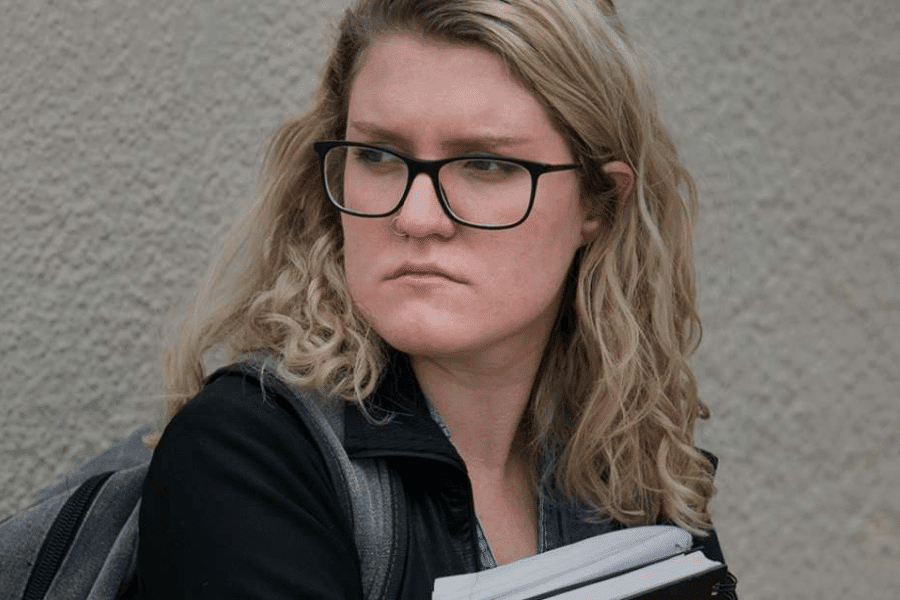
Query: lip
point(422, 270)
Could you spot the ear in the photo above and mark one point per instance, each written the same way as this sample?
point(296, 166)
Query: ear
point(623, 176)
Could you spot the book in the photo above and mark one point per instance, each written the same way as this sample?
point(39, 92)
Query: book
point(648, 563)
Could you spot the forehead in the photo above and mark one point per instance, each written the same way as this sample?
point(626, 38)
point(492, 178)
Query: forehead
point(417, 87)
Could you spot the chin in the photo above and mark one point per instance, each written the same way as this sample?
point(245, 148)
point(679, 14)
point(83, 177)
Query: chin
point(432, 345)
point(421, 338)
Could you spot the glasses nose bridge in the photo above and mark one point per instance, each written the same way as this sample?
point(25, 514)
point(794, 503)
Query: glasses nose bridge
point(431, 168)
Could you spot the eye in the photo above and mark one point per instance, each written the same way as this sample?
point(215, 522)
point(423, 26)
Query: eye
point(484, 166)
point(372, 156)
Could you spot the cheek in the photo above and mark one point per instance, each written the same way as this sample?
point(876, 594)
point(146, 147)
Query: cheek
point(543, 266)
point(357, 260)
point(530, 275)
point(556, 237)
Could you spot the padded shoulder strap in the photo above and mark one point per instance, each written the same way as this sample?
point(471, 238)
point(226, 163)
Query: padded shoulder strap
point(370, 493)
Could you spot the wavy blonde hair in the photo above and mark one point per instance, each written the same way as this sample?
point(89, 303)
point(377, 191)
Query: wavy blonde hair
point(614, 398)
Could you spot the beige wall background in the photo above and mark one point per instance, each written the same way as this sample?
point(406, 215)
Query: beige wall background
point(130, 137)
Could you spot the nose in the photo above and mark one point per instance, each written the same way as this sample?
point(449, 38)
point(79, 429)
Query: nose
point(422, 214)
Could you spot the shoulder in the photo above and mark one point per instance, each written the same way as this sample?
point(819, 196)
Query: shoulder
point(235, 404)
point(229, 394)
point(235, 429)
point(235, 488)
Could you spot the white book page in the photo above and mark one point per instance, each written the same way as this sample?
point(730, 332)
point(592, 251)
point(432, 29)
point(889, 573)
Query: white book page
point(643, 580)
point(587, 559)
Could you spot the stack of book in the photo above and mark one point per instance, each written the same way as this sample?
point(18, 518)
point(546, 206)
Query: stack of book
point(647, 563)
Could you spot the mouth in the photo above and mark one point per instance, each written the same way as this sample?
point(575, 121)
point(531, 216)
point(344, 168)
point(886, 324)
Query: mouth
point(423, 272)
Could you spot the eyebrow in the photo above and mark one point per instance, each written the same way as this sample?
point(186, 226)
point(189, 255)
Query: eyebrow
point(486, 142)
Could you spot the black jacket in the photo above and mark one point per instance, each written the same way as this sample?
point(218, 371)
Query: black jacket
point(238, 502)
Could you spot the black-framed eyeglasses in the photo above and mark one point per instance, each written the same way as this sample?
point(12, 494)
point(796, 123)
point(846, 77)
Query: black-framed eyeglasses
point(477, 190)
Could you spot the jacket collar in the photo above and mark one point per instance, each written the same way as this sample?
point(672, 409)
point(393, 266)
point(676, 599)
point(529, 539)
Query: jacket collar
point(409, 431)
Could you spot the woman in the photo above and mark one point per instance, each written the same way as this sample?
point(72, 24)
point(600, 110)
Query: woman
point(482, 225)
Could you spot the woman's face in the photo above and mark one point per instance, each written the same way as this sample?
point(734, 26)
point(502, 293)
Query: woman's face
point(429, 286)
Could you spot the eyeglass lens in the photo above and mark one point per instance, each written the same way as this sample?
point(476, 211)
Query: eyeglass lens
point(479, 190)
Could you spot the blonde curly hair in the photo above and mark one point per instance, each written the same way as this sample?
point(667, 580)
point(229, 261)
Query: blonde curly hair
point(614, 396)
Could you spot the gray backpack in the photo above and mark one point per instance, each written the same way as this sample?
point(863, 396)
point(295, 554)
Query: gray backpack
point(79, 539)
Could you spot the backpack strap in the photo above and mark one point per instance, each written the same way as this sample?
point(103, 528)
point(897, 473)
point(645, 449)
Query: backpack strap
point(370, 493)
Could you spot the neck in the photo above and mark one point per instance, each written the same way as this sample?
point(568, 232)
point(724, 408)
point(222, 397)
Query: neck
point(482, 403)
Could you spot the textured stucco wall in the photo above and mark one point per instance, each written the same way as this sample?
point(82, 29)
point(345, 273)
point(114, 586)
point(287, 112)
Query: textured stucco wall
point(130, 136)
